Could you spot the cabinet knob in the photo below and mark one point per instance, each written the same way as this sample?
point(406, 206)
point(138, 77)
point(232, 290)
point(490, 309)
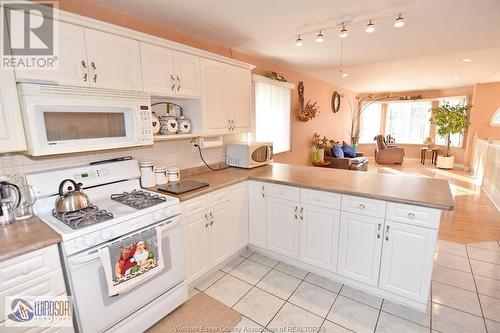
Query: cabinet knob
point(387, 233)
point(362, 206)
point(411, 216)
point(378, 230)
point(262, 192)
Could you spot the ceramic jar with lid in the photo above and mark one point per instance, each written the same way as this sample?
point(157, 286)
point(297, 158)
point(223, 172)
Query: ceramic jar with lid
point(148, 177)
point(173, 174)
point(161, 175)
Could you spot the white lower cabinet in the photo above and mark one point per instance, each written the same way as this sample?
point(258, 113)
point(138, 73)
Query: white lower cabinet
point(238, 205)
point(257, 214)
point(282, 227)
point(219, 240)
point(360, 247)
point(197, 248)
point(407, 260)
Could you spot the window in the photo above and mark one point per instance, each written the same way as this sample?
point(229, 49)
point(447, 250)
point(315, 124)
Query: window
point(495, 120)
point(272, 113)
point(456, 139)
point(370, 122)
point(408, 122)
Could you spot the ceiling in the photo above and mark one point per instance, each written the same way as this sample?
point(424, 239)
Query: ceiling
point(424, 54)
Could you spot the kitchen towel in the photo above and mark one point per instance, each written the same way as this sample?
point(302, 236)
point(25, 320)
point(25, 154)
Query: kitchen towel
point(132, 260)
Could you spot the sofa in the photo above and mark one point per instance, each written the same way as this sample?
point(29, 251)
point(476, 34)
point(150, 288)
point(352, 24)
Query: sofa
point(358, 163)
point(387, 154)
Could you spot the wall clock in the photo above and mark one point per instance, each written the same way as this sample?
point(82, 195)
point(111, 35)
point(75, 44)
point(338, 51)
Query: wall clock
point(335, 102)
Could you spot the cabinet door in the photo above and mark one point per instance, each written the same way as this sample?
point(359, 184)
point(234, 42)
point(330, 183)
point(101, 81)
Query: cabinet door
point(257, 213)
point(214, 97)
point(319, 236)
point(282, 227)
point(11, 123)
point(219, 239)
point(238, 203)
point(114, 61)
point(157, 69)
point(241, 99)
point(71, 66)
point(197, 249)
point(407, 259)
point(360, 247)
point(187, 74)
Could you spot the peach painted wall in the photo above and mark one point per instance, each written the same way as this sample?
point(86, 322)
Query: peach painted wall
point(329, 124)
point(413, 150)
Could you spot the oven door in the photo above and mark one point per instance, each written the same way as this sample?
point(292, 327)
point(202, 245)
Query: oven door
point(95, 310)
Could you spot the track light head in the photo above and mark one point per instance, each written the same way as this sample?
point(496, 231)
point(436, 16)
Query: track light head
point(343, 32)
point(370, 27)
point(399, 23)
point(320, 37)
point(299, 41)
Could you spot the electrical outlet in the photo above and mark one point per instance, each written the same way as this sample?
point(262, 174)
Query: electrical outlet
point(193, 143)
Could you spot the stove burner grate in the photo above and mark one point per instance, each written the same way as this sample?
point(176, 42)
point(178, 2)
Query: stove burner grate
point(84, 217)
point(138, 199)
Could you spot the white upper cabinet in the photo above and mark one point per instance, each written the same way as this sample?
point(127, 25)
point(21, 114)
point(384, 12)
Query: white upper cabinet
point(11, 123)
point(114, 61)
point(215, 78)
point(71, 61)
point(241, 99)
point(169, 73)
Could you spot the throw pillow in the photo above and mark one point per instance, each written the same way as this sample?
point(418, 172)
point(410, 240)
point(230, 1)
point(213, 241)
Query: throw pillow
point(337, 151)
point(348, 150)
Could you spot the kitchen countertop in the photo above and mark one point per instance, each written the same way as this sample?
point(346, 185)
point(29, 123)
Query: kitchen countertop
point(25, 236)
point(419, 191)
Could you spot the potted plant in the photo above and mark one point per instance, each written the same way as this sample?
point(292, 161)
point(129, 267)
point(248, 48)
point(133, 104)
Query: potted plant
point(320, 144)
point(449, 119)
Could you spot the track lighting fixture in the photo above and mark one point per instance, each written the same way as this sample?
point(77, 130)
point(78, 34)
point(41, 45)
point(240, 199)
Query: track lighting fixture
point(343, 32)
point(399, 23)
point(370, 27)
point(319, 37)
point(299, 42)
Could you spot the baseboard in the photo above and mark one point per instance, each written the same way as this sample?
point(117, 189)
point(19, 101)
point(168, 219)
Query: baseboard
point(491, 199)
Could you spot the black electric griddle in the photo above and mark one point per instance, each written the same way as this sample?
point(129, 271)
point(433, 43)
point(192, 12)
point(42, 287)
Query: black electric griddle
point(181, 186)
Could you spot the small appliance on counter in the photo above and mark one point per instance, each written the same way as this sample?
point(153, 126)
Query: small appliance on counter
point(249, 156)
point(10, 198)
point(25, 208)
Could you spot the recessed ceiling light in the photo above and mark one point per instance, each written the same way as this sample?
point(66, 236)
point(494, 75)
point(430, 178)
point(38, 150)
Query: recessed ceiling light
point(299, 42)
point(370, 27)
point(343, 75)
point(399, 23)
point(455, 77)
point(319, 37)
point(466, 60)
point(343, 32)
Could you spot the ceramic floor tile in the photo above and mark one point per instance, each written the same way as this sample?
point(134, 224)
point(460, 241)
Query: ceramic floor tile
point(247, 253)
point(232, 264)
point(279, 284)
point(493, 326)
point(457, 298)
point(228, 290)
point(491, 307)
point(324, 282)
point(487, 286)
point(405, 312)
point(361, 296)
point(484, 255)
point(448, 320)
point(250, 271)
point(453, 277)
point(388, 323)
point(294, 319)
point(329, 327)
point(485, 269)
point(451, 248)
point(494, 246)
point(264, 260)
point(313, 298)
point(211, 279)
point(260, 306)
point(291, 270)
point(247, 326)
point(353, 315)
point(452, 261)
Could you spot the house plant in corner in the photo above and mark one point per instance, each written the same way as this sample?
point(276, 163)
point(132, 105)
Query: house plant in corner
point(449, 120)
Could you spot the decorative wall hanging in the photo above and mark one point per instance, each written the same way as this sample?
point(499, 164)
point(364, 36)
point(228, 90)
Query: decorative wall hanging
point(275, 76)
point(308, 111)
point(335, 102)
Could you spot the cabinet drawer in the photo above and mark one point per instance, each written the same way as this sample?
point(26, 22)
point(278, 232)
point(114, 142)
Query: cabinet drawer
point(218, 197)
point(320, 198)
point(194, 206)
point(420, 216)
point(283, 192)
point(26, 267)
point(51, 284)
point(364, 206)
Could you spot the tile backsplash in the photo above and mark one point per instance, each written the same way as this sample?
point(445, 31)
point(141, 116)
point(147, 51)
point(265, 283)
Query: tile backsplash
point(166, 153)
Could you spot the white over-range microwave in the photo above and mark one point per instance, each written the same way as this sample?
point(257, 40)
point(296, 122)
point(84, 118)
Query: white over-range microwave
point(249, 155)
point(63, 119)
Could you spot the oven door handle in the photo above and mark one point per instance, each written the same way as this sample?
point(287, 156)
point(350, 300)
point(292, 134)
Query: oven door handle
point(85, 258)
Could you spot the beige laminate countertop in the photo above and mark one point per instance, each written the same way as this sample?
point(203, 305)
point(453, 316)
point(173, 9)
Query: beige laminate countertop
point(25, 236)
point(426, 192)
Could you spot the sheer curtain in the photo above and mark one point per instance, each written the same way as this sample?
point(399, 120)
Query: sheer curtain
point(456, 139)
point(370, 123)
point(272, 115)
point(408, 122)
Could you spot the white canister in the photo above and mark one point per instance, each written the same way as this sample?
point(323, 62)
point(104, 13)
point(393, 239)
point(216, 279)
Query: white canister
point(161, 175)
point(148, 178)
point(173, 174)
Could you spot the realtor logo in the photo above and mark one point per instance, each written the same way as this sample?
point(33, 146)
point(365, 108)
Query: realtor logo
point(28, 35)
point(38, 311)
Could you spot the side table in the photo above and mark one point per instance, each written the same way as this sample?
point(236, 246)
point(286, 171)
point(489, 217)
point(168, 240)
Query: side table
point(434, 154)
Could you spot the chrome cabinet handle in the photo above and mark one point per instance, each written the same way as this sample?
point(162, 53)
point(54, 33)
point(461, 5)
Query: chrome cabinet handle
point(378, 230)
point(361, 206)
point(295, 214)
point(411, 216)
point(206, 219)
point(262, 192)
point(172, 80)
point(387, 233)
point(211, 219)
point(85, 74)
point(301, 213)
point(179, 83)
point(92, 64)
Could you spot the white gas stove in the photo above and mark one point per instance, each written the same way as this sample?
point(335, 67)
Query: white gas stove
point(119, 208)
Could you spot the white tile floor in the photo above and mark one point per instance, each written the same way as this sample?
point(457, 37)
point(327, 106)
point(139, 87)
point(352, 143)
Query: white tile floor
point(274, 296)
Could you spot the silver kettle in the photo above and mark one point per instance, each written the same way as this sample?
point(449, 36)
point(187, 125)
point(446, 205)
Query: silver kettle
point(74, 199)
point(9, 201)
